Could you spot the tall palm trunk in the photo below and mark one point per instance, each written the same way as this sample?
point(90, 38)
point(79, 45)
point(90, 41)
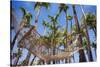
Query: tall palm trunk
point(36, 19)
point(95, 32)
point(27, 58)
point(32, 60)
point(87, 37)
point(66, 30)
point(66, 45)
point(82, 57)
point(54, 31)
point(14, 40)
point(18, 57)
point(54, 54)
point(44, 30)
point(71, 40)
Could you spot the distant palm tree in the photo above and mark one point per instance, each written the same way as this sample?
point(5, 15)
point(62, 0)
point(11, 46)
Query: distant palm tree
point(91, 22)
point(64, 7)
point(69, 17)
point(55, 33)
point(45, 23)
point(53, 27)
point(82, 57)
point(38, 7)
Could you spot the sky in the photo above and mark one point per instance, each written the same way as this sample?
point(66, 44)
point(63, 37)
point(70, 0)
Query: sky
point(53, 9)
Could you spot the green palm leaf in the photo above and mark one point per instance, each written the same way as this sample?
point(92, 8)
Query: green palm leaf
point(23, 10)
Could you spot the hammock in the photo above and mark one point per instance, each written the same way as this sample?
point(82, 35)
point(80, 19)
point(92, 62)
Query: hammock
point(47, 58)
point(41, 56)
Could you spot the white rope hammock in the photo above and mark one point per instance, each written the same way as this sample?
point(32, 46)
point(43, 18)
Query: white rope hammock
point(61, 56)
point(31, 37)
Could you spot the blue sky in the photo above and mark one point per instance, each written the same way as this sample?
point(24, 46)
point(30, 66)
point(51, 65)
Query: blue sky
point(29, 6)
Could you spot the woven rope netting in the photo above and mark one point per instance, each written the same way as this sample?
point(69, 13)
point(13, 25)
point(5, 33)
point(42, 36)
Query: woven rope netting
point(32, 42)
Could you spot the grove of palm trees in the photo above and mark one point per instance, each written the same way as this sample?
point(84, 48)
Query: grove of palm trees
point(51, 33)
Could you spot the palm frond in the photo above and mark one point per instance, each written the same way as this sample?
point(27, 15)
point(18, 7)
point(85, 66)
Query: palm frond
point(23, 10)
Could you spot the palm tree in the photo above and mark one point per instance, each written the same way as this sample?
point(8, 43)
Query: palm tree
point(53, 27)
point(45, 23)
point(64, 7)
point(55, 34)
point(24, 23)
point(12, 27)
point(91, 22)
point(27, 17)
point(37, 7)
point(69, 17)
point(87, 36)
point(81, 52)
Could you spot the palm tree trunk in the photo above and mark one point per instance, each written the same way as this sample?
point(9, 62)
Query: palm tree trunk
point(82, 57)
point(12, 45)
point(14, 40)
point(66, 40)
point(44, 31)
point(71, 39)
point(54, 45)
point(95, 32)
point(66, 34)
point(53, 54)
point(54, 50)
point(71, 27)
point(17, 58)
point(71, 42)
point(73, 58)
point(88, 46)
point(87, 37)
point(36, 19)
point(95, 52)
point(32, 60)
point(27, 58)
